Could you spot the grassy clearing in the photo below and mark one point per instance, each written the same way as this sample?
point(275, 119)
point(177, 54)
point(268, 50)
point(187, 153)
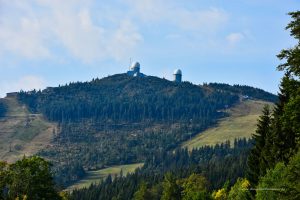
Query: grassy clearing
point(98, 175)
point(27, 131)
point(240, 123)
point(22, 133)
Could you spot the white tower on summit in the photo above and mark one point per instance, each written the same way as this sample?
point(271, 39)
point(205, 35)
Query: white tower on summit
point(135, 70)
point(177, 75)
point(135, 67)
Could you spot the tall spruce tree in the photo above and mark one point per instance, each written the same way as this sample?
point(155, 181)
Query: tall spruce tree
point(258, 158)
point(287, 124)
point(277, 137)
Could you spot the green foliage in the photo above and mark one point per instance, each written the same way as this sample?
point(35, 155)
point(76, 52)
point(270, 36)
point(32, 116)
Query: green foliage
point(258, 158)
point(286, 130)
point(282, 182)
point(64, 195)
point(195, 188)
point(217, 164)
point(277, 137)
point(96, 176)
point(3, 179)
point(28, 178)
point(142, 193)
point(289, 110)
point(221, 194)
point(240, 190)
point(124, 99)
point(271, 181)
point(171, 190)
point(292, 64)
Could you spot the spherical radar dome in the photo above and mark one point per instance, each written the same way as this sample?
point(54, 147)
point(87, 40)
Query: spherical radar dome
point(135, 65)
point(178, 71)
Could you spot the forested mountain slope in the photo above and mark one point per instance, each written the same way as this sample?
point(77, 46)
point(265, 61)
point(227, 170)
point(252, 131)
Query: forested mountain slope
point(121, 119)
point(241, 123)
point(245, 90)
point(168, 171)
point(21, 132)
point(124, 99)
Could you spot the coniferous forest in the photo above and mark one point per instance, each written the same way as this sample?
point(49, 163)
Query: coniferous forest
point(121, 119)
point(212, 167)
point(271, 170)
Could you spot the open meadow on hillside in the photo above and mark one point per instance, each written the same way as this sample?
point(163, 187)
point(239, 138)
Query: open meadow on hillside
point(241, 123)
point(97, 176)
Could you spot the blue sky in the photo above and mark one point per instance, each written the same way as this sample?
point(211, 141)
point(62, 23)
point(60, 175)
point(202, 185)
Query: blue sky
point(51, 42)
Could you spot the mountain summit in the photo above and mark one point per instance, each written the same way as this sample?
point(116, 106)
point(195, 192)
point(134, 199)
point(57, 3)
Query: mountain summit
point(121, 119)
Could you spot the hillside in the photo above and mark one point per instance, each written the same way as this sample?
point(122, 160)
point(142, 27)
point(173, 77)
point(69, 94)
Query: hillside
point(241, 123)
point(21, 132)
point(121, 120)
point(122, 99)
point(95, 177)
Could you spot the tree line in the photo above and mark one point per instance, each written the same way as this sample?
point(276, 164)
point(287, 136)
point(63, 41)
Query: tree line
point(124, 99)
point(3, 109)
point(245, 90)
point(171, 175)
point(121, 119)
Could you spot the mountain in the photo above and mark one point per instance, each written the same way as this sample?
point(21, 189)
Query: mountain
point(240, 123)
point(21, 132)
point(122, 119)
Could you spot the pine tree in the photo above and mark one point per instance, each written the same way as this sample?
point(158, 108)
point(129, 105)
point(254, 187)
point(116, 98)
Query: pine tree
point(285, 125)
point(277, 138)
point(257, 160)
point(287, 113)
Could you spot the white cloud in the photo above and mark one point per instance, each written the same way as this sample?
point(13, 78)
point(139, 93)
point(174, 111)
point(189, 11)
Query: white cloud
point(149, 10)
point(25, 38)
point(124, 39)
point(166, 11)
point(205, 21)
point(68, 25)
point(39, 29)
point(25, 83)
point(76, 32)
point(234, 38)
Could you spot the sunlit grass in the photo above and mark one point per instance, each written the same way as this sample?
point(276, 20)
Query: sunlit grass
point(241, 123)
point(99, 175)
